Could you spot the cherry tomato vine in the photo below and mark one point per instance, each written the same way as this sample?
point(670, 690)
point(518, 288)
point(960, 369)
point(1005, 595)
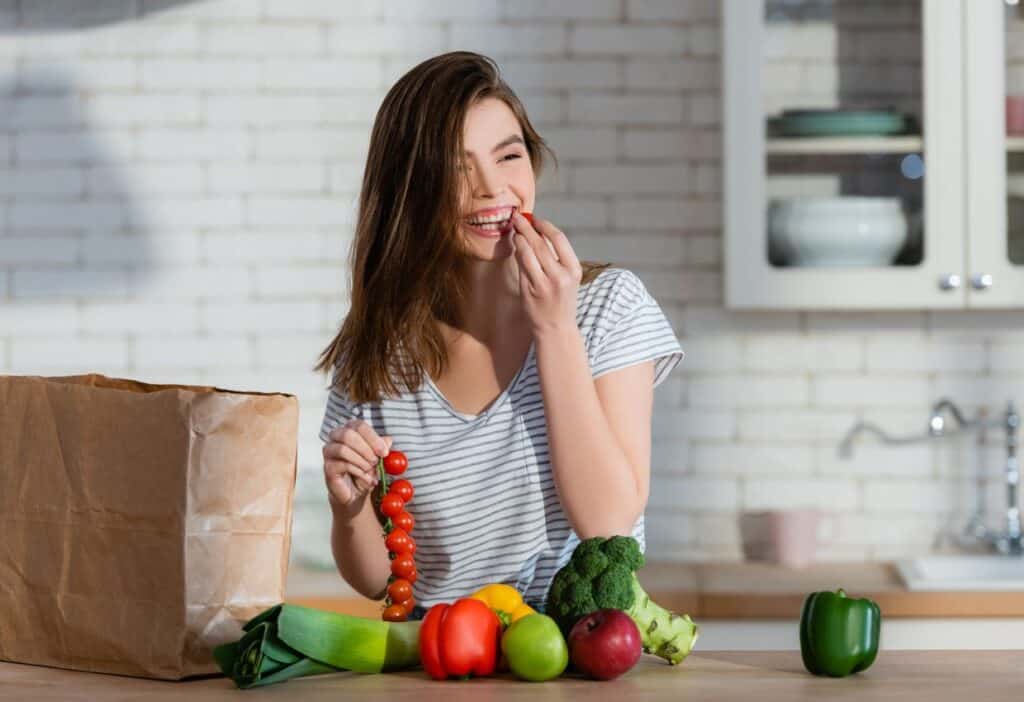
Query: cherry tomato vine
point(398, 523)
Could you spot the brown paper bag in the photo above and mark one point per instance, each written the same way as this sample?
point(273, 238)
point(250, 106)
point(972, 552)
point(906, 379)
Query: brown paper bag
point(140, 525)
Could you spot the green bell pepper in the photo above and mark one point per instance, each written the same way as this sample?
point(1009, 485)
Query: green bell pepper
point(838, 635)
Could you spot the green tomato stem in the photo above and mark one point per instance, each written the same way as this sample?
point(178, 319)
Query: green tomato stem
point(382, 475)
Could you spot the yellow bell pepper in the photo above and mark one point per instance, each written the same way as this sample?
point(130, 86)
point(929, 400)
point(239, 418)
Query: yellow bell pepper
point(506, 602)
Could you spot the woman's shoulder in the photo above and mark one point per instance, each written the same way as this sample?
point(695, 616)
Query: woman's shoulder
point(612, 287)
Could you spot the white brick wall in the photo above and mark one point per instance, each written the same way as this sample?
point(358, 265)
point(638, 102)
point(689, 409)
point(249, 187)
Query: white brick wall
point(177, 194)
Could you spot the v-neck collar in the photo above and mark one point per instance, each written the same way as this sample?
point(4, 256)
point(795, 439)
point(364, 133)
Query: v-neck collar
point(498, 401)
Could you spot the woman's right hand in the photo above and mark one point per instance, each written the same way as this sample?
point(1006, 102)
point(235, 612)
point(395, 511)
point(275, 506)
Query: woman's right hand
point(350, 463)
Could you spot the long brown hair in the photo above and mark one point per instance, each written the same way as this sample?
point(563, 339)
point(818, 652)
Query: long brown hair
point(406, 255)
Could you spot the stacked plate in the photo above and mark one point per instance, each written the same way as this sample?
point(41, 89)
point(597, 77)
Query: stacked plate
point(826, 122)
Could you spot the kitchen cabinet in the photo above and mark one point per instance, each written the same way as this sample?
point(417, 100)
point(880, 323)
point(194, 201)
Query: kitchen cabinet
point(847, 123)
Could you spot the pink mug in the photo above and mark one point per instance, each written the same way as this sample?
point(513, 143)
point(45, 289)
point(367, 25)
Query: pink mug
point(787, 537)
point(1015, 114)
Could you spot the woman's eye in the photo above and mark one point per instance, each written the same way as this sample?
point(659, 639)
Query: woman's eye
point(510, 156)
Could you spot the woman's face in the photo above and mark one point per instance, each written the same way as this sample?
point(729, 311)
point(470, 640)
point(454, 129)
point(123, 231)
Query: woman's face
point(498, 178)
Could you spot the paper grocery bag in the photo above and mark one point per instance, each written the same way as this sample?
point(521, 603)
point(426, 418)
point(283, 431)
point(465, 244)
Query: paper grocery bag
point(140, 525)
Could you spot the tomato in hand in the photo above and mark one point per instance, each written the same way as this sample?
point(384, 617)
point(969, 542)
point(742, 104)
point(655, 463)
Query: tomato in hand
point(403, 520)
point(529, 217)
point(402, 488)
point(399, 541)
point(400, 590)
point(395, 463)
point(391, 505)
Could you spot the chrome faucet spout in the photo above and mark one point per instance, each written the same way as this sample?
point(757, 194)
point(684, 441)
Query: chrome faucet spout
point(937, 423)
point(1008, 540)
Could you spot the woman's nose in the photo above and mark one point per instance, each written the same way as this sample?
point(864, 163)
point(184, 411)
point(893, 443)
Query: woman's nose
point(489, 182)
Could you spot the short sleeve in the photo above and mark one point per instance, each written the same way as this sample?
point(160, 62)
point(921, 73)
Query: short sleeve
point(630, 328)
point(338, 411)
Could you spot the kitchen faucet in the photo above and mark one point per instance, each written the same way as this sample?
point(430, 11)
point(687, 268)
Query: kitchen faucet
point(1009, 541)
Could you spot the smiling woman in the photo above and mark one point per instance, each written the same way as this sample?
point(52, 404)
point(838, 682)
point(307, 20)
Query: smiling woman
point(517, 379)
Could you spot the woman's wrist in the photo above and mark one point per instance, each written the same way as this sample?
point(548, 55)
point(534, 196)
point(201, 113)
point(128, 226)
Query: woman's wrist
point(346, 512)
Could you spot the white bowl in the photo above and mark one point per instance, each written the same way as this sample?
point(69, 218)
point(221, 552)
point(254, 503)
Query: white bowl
point(836, 231)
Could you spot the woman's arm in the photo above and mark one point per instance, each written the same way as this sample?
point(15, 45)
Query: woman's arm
point(358, 545)
point(599, 433)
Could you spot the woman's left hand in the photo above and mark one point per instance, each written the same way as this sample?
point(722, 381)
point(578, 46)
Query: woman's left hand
point(548, 279)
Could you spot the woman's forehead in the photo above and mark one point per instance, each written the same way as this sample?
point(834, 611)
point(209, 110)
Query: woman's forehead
point(486, 118)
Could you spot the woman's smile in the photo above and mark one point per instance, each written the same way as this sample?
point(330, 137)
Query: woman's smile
point(492, 223)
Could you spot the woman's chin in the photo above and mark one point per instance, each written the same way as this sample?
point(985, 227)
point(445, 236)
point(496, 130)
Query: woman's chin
point(490, 248)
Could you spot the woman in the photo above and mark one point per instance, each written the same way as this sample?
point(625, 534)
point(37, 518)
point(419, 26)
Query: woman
point(517, 381)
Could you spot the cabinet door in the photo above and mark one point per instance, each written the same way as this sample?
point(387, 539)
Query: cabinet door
point(843, 147)
point(994, 54)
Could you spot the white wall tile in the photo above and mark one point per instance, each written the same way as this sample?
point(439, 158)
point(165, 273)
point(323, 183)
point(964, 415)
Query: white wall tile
point(386, 39)
point(208, 352)
point(672, 10)
point(545, 39)
point(523, 10)
point(751, 459)
point(626, 39)
point(24, 320)
point(262, 39)
point(140, 319)
point(837, 494)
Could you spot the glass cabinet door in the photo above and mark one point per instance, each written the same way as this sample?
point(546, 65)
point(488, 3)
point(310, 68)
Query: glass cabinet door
point(843, 181)
point(994, 40)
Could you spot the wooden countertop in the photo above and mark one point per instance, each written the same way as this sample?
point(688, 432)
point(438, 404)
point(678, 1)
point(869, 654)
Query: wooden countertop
point(730, 591)
point(932, 676)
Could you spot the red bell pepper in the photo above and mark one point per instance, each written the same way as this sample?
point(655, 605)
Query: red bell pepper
point(460, 640)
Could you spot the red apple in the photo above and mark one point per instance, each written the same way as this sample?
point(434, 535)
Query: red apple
point(605, 644)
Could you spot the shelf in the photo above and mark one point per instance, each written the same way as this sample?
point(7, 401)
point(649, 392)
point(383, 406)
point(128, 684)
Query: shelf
point(847, 145)
point(1015, 143)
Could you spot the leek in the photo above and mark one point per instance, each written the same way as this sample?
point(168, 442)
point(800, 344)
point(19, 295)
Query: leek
point(290, 641)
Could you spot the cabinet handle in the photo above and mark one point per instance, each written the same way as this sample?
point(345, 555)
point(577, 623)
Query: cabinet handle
point(949, 281)
point(981, 281)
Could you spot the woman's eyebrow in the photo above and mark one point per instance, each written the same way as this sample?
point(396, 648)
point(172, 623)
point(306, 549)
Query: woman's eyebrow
point(514, 139)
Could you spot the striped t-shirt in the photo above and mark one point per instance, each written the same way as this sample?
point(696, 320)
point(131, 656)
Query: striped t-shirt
point(485, 505)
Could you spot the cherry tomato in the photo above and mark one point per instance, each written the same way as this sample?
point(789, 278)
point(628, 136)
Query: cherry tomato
point(395, 613)
point(399, 542)
point(400, 590)
point(404, 567)
point(395, 463)
point(391, 505)
point(408, 604)
point(529, 217)
point(402, 488)
point(403, 520)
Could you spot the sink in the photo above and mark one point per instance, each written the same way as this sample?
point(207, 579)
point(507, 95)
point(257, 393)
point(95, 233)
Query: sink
point(967, 572)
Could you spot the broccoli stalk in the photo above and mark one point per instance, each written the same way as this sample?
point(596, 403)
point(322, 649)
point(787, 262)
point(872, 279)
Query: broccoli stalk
point(602, 575)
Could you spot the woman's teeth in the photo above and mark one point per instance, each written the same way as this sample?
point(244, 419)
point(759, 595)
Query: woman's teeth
point(498, 218)
point(492, 226)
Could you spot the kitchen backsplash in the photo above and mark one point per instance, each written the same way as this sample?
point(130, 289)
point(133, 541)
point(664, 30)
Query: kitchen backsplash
point(177, 191)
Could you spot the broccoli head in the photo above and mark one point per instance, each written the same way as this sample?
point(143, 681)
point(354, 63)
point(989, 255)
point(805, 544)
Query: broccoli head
point(601, 574)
